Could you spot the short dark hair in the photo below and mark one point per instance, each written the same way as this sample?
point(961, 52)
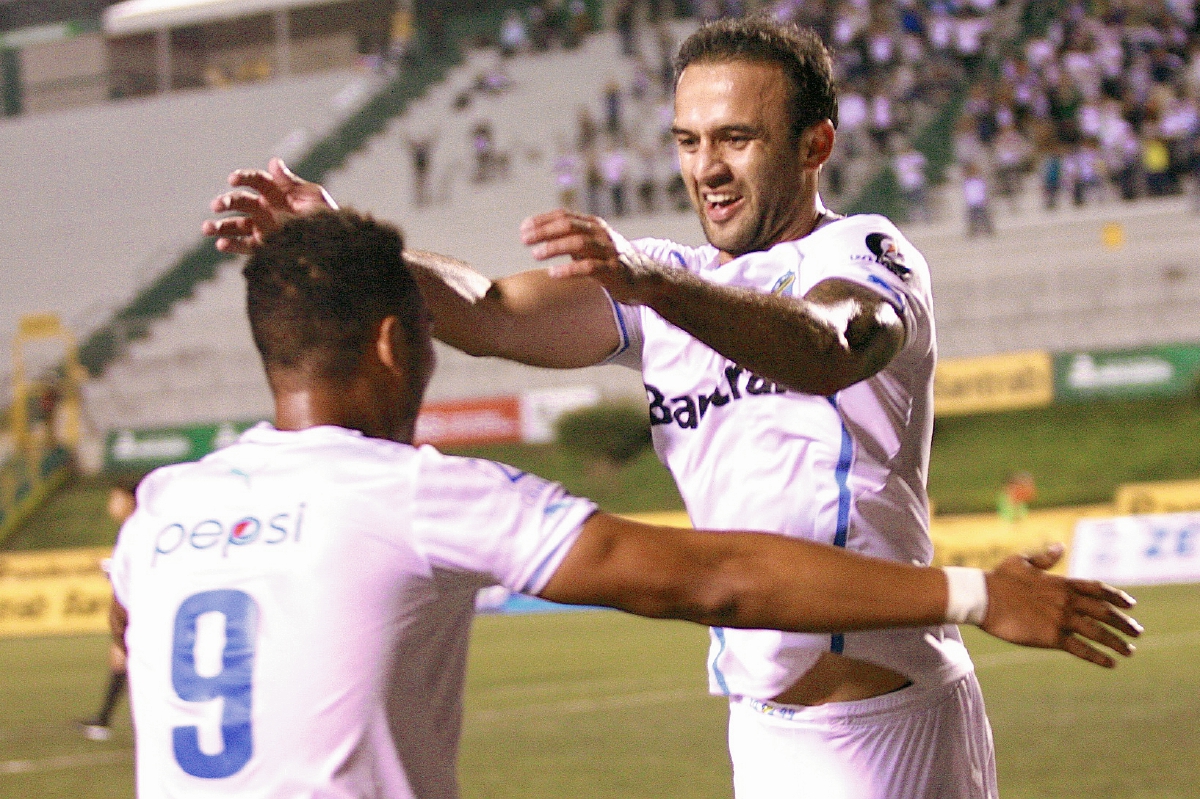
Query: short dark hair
point(318, 287)
point(799, 51)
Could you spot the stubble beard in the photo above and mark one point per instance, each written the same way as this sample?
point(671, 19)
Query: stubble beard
point(736, 240)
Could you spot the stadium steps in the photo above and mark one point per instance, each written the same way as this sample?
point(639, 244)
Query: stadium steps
point(1048, 280)
point(105, 197)
point(179, 371)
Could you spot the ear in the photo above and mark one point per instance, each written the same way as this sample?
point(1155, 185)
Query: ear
point(385, 344)
point(817, 144)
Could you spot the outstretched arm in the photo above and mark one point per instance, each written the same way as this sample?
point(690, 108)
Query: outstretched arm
point(762, 581)
point(527, 317)
point(839, 334)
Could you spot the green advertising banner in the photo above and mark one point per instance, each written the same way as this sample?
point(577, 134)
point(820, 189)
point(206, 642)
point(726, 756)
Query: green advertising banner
point(1165, 370)
point(136, 450)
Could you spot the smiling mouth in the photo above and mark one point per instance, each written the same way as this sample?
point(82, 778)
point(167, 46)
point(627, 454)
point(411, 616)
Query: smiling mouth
point(720, 206)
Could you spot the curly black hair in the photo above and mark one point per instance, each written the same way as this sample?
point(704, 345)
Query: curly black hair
point(318, 287)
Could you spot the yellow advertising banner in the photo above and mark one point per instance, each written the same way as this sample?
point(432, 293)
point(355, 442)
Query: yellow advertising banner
point(993, 383)
point(54, 606)
point(981, 540)
point(53, 563)
point(1167, 496)
point(60, 592)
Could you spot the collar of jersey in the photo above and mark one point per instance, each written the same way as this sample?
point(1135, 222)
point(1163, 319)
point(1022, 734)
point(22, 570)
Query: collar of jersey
point(266, 433)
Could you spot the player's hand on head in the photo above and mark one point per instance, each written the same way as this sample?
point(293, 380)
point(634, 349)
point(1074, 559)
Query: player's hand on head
point(1028, 606)
point(262, 200)
point(595, 250)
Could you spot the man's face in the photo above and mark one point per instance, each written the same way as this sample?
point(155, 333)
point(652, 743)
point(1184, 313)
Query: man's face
point(746, 176)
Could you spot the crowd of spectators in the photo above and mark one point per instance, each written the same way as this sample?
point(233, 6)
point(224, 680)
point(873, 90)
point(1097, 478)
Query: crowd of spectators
point(894, 62)
point(544, 25)
point(1102, 104)
point(620, 159)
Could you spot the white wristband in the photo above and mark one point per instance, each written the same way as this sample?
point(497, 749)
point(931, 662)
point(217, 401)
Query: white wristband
point(967, 597)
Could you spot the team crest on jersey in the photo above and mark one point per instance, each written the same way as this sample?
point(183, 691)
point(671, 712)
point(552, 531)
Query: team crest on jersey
point(784, 283)
point(884, 248)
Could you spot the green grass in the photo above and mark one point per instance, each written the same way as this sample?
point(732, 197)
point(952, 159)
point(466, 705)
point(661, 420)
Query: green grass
point(1078, 454)
point(72, 517)
point(594, 705)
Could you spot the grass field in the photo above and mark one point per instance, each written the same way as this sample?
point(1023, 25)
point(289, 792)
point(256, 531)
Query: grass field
point(594, 705)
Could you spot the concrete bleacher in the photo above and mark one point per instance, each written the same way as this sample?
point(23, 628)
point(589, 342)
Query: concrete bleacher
point(102, 199)
point(160, 378)
point(197, 364)
point(1045, 281)
point(1108, 275)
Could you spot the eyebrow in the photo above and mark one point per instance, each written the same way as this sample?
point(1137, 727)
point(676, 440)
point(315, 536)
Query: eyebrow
point(724, 129)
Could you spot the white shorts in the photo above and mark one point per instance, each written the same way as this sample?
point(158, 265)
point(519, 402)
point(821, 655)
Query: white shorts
point(915, 743)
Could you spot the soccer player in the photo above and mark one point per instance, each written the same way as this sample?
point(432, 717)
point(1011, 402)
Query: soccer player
point(296, 606)
point(788, 366)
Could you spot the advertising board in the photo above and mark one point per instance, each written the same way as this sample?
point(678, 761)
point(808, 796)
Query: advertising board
point(1138, 550)
point(1165, 370)
point(993, 383)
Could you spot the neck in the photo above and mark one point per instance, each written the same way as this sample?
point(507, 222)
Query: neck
point(304, 402)
point(805, 222)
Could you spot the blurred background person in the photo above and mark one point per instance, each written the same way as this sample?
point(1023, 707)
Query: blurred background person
point(121, 505)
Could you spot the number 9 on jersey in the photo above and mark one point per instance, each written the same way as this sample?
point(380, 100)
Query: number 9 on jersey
point(232, 682)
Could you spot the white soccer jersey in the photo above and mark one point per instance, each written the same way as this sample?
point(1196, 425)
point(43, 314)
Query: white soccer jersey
point(848, 470)
point(299, 609)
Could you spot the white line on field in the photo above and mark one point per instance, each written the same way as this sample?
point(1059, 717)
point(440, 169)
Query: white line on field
point(63, 762)
point(1022, 657)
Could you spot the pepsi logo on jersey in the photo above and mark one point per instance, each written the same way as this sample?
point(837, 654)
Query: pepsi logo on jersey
point(219, 536)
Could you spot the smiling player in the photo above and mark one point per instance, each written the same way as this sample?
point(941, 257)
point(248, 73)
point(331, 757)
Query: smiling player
point(788, 367)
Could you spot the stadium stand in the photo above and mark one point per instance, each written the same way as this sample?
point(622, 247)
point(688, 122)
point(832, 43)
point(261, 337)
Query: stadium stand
point(1100, 276)
point(1108, 276)
point(107, 196)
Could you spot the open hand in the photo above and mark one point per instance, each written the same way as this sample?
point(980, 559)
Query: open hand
point(1030, 607)
point(596, 251)
point(263, 200)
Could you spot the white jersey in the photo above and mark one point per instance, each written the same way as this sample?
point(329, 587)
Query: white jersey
point(848, 470)
point(299, 610)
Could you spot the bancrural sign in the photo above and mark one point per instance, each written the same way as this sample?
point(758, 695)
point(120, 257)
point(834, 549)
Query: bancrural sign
point(993, 383)
point(1152, 371)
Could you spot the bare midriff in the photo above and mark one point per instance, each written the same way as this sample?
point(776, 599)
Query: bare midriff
point(837, 678)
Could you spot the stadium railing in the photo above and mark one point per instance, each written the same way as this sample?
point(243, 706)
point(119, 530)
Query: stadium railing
point(25, 483)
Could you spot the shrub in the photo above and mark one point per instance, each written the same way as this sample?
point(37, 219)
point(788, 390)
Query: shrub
point(613, 432)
